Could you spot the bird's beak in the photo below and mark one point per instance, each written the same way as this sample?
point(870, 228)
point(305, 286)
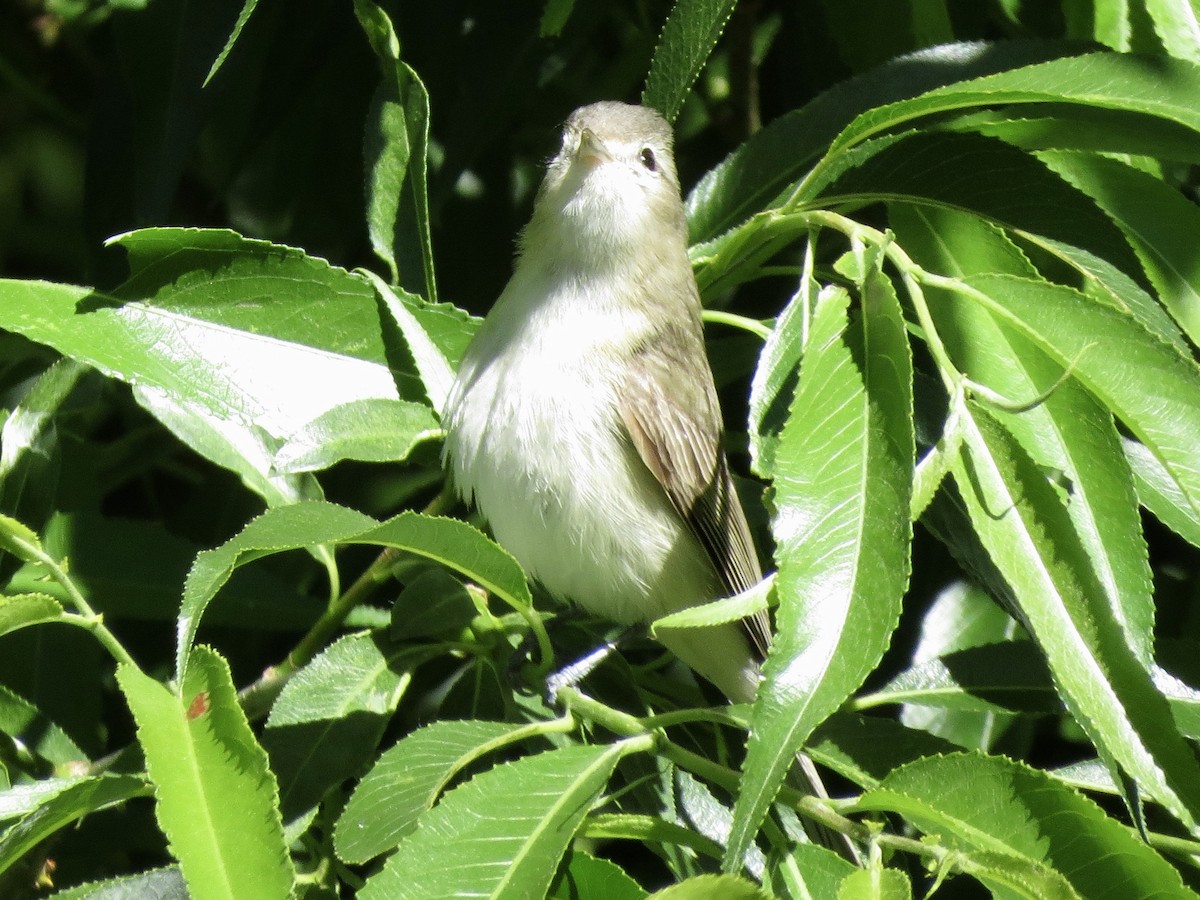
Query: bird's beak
point(592, 150)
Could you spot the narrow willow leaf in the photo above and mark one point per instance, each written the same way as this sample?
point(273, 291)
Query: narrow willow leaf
point(243, 17)
point(591, 876)
point(283, 528)
point(396, 149)
point(1084, 128)
point(1150, 388)
point(875, 883)
point(23, 610)
point(459, 546)
point(863, 749)
point(447, 541)
point(755, 174)
point(1113, 287)
point(1161, 494)
point(159, 884)
point(718, 612)
point(407, 779)
point(554, 17)
point(1030, 537)
point(687, 38)
point(65, 804)
point(650, 830)
point(1107, 80)
point(503, 833)
point(366, 430)
point(962, 618)
point(984, 176)
point(1177, 24)
point(774, 380)
point(24, 722)
point(843, 481)
point(809, 872)
point(987, 805)
point(437, 375)
point(233, 395)
point(216, 800)
point(1005, 676)
point(29, 447)
point(20, 541)
point(326, 723)
point(1067, 431)
point(1159, 222)
point(712, 887)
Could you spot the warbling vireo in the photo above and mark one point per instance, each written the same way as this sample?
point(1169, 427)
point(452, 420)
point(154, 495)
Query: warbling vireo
point(584, 421)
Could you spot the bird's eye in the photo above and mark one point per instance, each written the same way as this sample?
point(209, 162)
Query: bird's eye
point(646, 157)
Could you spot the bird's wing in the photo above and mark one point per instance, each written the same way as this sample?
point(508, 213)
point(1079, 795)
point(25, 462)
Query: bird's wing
point(675, 424)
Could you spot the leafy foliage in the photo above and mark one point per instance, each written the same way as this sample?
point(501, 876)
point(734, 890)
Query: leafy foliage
point(251, 647)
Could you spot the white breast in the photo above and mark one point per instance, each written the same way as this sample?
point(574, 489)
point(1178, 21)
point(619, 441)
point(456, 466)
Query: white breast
point(535, 438)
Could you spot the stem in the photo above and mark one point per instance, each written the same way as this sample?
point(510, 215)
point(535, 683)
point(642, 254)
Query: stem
point(811, 807)
point(745, 323)
point(85, 617)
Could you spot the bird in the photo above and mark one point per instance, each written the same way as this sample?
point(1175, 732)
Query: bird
point(584, 422)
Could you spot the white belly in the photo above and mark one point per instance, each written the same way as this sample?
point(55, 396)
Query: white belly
point(536, 440)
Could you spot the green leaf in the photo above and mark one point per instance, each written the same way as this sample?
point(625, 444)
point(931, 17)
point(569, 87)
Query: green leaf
point(996, 807)
point(243, 18)
point(1161, 494)
point(24, 722)
point(712, 887)
point(1177, 24)
point(160, 884)
point(774, 382)
point(719, 612)
point(367, 430)
point(194, 351)
point(326, 723)
point(1083, 128)
point(554, 17)
point(1114, 81)
point(754, 175)
point(407, 779)
point(432, 603)
point(282, 528)
point(875, 883)
point(448, 541)
point(590, 876)
point(843, 550)
point(1159, 222)
point(1031, 539)
point(1072, 330)
point(64, 803)
point(863, 749)
point(216, 800)
point(687, 38)
point(435, 369)
point(29, 446)
point(810, 871)
point(1067, 431)
point(981, 175)
point(961, 618)
point(651, 830)
point(396, 149)
point(20, 541)
point(23, 610)
point(1108, 284)
point(1011, 675)
point(502, 833)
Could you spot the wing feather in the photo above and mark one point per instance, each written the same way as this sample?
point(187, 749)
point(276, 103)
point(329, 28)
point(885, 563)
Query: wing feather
point(673, 418)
